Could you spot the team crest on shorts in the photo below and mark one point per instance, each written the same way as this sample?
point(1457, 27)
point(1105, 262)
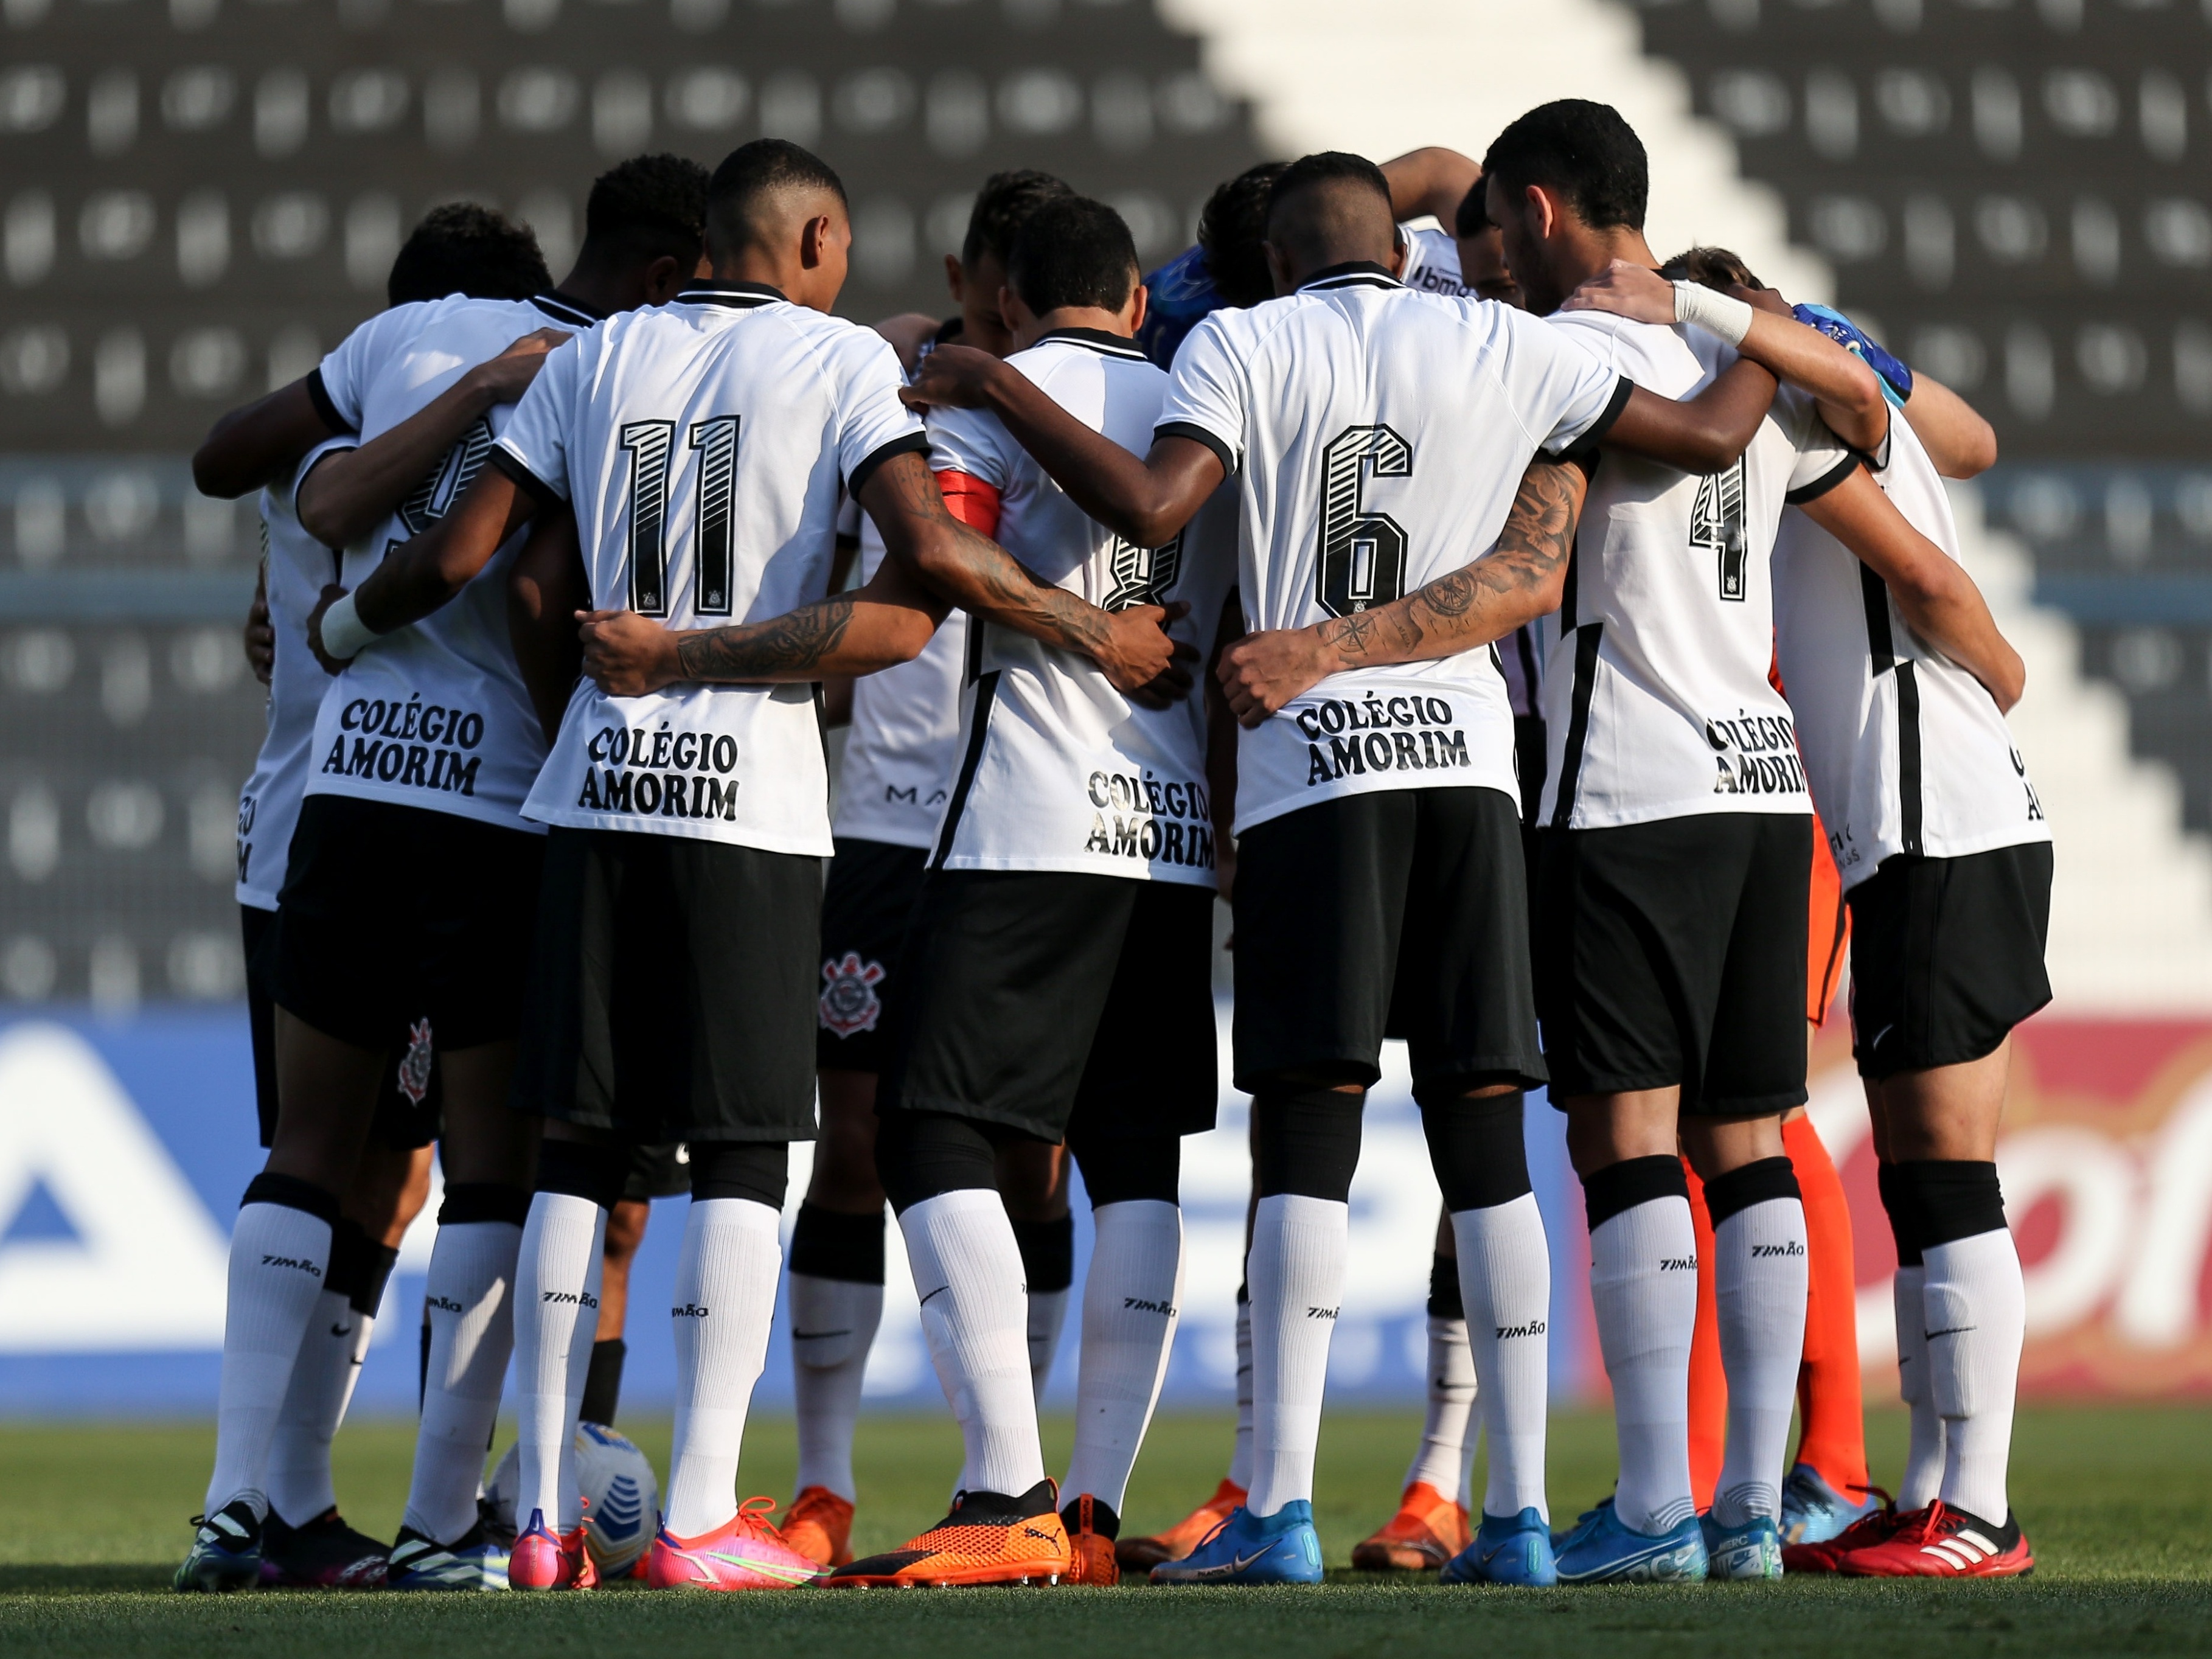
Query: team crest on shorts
point(850, 1002)
point(414, 1068)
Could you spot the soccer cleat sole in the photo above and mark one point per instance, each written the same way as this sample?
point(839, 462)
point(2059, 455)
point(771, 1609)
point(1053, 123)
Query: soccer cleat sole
point(963, 1578)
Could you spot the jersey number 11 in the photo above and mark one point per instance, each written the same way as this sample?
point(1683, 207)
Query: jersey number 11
point(648, 443)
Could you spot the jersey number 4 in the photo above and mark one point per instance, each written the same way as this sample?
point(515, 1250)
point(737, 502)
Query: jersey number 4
point(648, 444)
point(1717, 527)
point(1363, 554)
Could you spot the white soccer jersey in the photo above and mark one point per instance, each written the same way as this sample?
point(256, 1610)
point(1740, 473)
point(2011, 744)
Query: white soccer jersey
point(434, 714)
point(703, 446)
point(905, 735)
point(1058, 770)
point(1905, 750)
point(297, 565)
point(1378, 438)
point(1656, 703)
point(1432, 261)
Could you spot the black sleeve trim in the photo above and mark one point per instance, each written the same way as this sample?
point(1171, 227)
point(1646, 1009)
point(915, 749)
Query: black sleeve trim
point(532, 486)
point(1828, 481)
point(913, 443)
point(320, 395)
point(1199, 434)
point(1586, 445)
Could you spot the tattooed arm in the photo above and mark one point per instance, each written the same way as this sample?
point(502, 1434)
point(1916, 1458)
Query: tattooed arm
point(1515, 582)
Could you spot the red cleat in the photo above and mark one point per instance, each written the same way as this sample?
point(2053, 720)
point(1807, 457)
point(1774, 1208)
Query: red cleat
point(1863, 1533)
point(1940, 1542)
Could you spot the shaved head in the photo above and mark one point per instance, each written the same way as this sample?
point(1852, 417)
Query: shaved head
point(763, 192)
point(1330, 209)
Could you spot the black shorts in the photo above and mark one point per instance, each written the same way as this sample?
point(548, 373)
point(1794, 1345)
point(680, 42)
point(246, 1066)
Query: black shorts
point(1946, 956)
point(1673, 953)
point(1403, 913)
point(411, 1099)
point(864, 907)
point(1057, 1003)
point(393, 914)
point(660, 1170)
point(672, 997)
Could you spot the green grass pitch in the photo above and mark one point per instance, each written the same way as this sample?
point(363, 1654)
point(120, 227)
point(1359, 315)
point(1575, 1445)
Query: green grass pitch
point(2117, 1502)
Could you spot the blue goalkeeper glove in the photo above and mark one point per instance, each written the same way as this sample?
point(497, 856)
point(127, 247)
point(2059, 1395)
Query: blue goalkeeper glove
point(1896, 379)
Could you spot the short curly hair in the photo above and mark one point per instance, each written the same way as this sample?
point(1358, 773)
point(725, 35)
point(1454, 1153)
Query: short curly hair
point(1004, 202)
point(649, 207)
point(464, 248)
point(1232, 228)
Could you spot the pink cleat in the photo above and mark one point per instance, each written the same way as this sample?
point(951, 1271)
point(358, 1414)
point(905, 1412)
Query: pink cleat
point(543, 1560)
point(746, 1554)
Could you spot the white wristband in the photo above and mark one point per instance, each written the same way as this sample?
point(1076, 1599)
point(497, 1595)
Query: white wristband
point(1723, 314)
point(344, 634)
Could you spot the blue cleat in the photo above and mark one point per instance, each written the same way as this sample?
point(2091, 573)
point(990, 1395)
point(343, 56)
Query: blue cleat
point(1281, 1548)
point(1752, 1550)
point(1600, 1550)
point(1517, 1550)
point(1813, 1512)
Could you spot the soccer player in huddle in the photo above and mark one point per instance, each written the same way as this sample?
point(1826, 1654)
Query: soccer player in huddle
point(458, 248)
point(1945, 858)
point(408, 892)
point(687, 820)
point(901, 758)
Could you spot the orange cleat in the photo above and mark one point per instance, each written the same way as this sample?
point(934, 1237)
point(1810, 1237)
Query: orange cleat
point(988, 1538)
point(1940, 1542)
point(746, 1554)
point(1092, 1551)
point(543, 1560)
point(1427, 1531)
point(1183, 1537)
point(820, 1525)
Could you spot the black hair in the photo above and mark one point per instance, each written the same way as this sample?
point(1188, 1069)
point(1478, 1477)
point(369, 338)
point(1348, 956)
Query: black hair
point(465, 248)
point(1711, 267)
point(1583, 150)
point(1327, 166)
point(649, 207)
point(1472, 217)
point(1072, 251)
point(1002, 206)
point(1232, 228)
point(753, 172)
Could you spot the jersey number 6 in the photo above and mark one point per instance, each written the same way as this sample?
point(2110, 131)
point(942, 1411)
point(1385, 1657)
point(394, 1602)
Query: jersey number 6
point(1363, 554)
point(648, 444)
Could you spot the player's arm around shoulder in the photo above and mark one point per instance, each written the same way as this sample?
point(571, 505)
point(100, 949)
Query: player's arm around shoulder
point(1933, 591)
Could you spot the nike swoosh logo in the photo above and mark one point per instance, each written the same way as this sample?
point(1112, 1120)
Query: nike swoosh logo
point(816, 1336)
point(1951, 1330)
point(934, 1294)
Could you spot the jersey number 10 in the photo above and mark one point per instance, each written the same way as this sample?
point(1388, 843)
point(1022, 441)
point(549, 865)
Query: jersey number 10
point(648, 443)
point(1363, 554)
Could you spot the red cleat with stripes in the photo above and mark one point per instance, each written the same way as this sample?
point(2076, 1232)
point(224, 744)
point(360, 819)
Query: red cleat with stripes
point(1940, 1542)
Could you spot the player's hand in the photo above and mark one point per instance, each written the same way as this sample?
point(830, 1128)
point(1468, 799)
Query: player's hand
point(627, 655)
point(509, 375)
point(260, 634)
point(331, 595)
point(953, 377)
point(1262, 672)
point(1633, 291)
point(1140, 659)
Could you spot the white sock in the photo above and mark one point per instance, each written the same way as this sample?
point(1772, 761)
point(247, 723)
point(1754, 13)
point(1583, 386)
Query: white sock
point(833, 1325)
point(1923, 1453)
point(323, 1374)
point(967, 1273)
point(556, 1294)
point(278, 1256)
point(1132, 1297)
point(1047, 1312)
point(1760, 1267)
point(1505, 1285)
point(1450, 1407)
point(1643, 1287)
point(1240, 1458)
point(470, 1305)
point(1300, 1247)
point(1977, 1311)
point(725, 1301)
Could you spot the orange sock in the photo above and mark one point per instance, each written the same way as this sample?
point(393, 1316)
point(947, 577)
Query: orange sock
point(1833, 1440)
point(1708, 1382)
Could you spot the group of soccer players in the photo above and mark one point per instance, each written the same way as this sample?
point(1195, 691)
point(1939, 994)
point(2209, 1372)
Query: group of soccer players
point(1165, 589)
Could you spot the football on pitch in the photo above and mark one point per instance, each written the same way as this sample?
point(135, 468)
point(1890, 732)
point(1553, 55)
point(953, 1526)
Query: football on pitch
point(621, 1499)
